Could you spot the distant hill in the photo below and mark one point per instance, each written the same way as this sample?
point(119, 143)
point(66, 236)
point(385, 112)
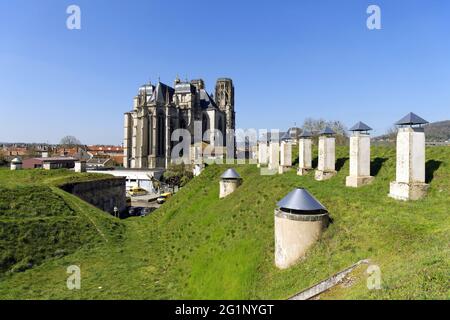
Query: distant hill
point(438, 131)
point(434, 132)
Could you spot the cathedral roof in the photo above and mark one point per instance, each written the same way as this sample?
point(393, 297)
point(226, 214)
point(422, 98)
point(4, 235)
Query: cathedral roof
point(162, 93)
point(206, 102)
point(147, 88)
point(184, 87)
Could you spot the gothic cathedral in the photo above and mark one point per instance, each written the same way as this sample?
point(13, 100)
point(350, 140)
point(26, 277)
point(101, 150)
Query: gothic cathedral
point(160, 109)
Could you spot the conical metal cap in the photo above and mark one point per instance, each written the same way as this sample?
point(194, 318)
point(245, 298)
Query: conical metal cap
point(16, 160)
point(300, 200)
point(306, 134)
point(327, 131)
point(360, 126)
point(286, 136)
point(411, 119)
point(230, 174)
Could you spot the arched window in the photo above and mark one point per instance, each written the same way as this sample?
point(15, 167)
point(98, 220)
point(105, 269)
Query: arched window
point(161, 134)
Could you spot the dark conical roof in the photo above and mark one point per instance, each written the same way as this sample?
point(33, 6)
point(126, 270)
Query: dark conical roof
point(230, 174)
point(360, 126)
point(16, 160)
point(306, 134)
point(301, 200)
point(327, 130)
point(411, 119)
point(286, 136)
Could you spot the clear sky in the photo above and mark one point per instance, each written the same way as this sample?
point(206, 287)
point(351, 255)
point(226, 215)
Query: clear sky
point(289, 60)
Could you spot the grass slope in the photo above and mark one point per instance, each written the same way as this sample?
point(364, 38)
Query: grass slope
point(38, 221)
point(197, 246)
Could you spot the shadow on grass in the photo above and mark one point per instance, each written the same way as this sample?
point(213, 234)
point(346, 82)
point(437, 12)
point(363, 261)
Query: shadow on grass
point(340, 163)
point(430, 168)
point(375, 165)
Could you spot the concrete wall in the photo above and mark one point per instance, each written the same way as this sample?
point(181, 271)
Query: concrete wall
point(103, 194)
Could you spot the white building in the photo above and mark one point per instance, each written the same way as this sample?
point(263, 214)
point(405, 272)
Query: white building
point(136, 178)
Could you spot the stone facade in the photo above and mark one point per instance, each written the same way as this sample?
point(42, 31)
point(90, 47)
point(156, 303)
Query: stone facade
point(104, 194)
point(160, 109)
point(359, 160)
point(410, 169)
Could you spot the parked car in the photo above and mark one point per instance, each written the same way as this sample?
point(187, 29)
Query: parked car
point(146, 211)
point(163, 197)
point(137, 191)
point(134, 211)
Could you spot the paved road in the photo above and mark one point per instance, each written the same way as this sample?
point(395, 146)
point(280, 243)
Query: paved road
point(147, 201)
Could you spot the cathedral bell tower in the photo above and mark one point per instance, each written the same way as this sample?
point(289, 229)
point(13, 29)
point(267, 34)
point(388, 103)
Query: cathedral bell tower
point(224, 98)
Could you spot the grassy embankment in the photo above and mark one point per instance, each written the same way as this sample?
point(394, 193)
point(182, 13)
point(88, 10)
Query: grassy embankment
point(38, 221)
point(197, 246)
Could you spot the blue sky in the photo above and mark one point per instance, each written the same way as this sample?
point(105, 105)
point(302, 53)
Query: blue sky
point(289, 60)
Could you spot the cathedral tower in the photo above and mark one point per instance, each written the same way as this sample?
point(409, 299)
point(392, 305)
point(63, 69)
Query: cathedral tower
point(224, 98)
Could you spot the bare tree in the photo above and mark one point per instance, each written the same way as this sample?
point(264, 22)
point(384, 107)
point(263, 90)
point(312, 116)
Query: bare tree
point(391, 133)
point(70, 141)
point(316, 125)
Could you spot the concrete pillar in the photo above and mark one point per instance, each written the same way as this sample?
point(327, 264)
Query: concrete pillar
point(16, 164)
point(359, 160)
point(327, 157)
point(410, 170)
point(285, 157)
point(80, 166)
point(304, 156)
point(299, 222)
point(263, 157)
point(274, 155)
point(229, 182)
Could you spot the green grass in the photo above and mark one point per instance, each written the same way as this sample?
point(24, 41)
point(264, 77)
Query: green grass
point(39, 222)
point(197, 246)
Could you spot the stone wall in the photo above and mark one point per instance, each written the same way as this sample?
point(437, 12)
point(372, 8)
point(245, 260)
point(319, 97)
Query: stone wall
point(103, 194)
